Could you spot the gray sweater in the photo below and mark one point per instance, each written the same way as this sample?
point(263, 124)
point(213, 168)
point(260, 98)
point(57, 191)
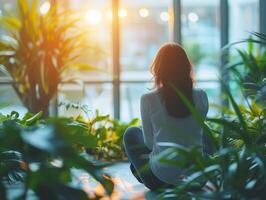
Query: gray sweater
point(160, 129)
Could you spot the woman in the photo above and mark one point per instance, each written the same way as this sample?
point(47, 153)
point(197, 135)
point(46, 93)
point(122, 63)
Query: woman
point(165, 118)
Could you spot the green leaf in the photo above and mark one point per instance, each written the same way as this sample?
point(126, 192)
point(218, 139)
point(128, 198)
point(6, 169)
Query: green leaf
point(10, 22)
point(7, 53)
point(197, 116)
point(242, 121)
point(34, 119)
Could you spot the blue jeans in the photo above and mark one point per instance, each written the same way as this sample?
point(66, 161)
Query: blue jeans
point(138, 155)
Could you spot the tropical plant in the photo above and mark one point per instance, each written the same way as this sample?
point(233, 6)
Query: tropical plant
point(235, 164)
point(236, 167)
point(41, 155)
point(40, 51)
point(249, 66)
point(109, 135)
point(108, 132)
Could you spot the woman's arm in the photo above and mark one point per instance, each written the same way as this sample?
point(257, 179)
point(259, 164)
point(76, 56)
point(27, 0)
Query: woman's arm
point(205, 103)
point(146, 121)
point(206, 142)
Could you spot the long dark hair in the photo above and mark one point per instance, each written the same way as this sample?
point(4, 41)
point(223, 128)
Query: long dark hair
point(172, 68)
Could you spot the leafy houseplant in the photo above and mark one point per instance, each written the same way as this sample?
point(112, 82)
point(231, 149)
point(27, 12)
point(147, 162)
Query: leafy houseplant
point(37, 154)
point(40, 154)
point(249, 67)
point(107, 132)
point(39, 51)
point(235, 168)
point(109, 135)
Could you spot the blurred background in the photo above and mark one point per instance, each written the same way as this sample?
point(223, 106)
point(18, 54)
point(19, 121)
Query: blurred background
point(202, 27)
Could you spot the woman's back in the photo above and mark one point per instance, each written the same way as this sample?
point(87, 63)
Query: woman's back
point(165, 117)
point(160, 129)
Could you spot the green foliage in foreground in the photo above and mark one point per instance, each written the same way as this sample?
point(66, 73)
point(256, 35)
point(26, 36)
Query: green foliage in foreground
point(236, 167)
point(249, 67)
point(40, 154)
point(107, 132)
point(109, 137)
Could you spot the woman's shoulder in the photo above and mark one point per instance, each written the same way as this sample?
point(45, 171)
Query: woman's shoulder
point(198, 90)
point(199, 93)
point(151, 96)
point(201, 99)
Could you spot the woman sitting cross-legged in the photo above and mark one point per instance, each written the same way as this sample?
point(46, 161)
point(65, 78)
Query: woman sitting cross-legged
point(165, 119)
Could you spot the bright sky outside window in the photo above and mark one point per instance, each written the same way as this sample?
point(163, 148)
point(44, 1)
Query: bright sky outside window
point(93, 17)
point(45, 7)
point(143, 12)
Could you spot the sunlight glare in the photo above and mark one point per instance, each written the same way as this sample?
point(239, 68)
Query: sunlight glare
point(143, 12)
point(164, 16)
point(109, 14)
point(93, 17)
point(122, 13)
point(193, 17)
point(45, 7)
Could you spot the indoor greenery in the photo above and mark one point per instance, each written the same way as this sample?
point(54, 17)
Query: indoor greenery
point(107, 132)
point(233, 162)
point(39, 51)
point(236, 167)
point(38, 157)
point(109, 136)
point(248, 67)
point(40, 153)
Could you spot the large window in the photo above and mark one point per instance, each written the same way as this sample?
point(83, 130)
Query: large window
point(243, 19)
point(144, 26)
point(201, 38)
point(95, 92)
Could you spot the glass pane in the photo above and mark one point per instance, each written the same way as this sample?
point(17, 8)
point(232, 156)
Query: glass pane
point(88, 99)
point(144, 28)
point(244, 18)
point(130, 99)
point(96, 22)
point(9, 101)
point(6, 6)
point(201, 36)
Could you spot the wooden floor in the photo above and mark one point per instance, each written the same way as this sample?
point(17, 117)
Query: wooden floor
point(126, 185)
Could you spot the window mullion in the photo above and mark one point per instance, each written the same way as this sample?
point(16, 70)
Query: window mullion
point(177, 21)
point(224, 21)
point(116, 57)
point(262, 10)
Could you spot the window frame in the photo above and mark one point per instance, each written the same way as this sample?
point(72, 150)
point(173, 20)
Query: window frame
point(176, 33)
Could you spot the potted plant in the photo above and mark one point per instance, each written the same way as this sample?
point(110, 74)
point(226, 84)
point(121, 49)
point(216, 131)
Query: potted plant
point(249, 67)
point(42, 158)
point(39, 50)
